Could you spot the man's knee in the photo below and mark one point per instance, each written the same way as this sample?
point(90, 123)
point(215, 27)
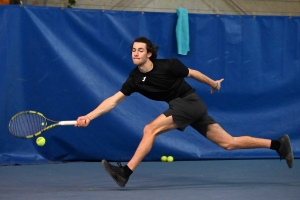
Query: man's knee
point(228, 146)
point(149, 131)
point(159, 125)
point(219, 136)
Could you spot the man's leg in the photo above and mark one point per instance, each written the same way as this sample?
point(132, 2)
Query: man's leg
point(159, 125)
point(218, 135)
point(151, 131)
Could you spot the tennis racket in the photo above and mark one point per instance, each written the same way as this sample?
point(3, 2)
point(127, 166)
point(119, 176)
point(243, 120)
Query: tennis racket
point(28, 124)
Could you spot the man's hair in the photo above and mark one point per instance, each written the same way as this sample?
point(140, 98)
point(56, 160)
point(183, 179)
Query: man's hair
point(149, 46)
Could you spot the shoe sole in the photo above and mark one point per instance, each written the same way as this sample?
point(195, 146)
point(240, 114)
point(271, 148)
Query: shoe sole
point(111, 173)
point(290, 150)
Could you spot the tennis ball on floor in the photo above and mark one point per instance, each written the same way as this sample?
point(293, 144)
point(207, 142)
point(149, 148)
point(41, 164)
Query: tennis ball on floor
point(170, 159)
point(40, 141)
point(164, 158)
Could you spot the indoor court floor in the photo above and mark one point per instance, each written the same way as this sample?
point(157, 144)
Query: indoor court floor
point(208, 180)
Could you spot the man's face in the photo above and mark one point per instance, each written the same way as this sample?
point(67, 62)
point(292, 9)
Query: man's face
point(139, 53)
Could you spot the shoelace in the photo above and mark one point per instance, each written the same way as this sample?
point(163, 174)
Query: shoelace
point(119, 164)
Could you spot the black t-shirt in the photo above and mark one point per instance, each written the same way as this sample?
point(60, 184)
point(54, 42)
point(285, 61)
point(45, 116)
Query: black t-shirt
point(163, 83)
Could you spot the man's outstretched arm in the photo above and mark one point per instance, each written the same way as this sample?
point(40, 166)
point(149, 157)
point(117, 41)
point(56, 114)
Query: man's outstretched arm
point(104, 107)
point(215, 85)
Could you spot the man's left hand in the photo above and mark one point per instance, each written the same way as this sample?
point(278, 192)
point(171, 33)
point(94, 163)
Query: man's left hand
point(217, 86)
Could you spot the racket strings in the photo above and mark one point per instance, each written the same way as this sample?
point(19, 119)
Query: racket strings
point(27, 124)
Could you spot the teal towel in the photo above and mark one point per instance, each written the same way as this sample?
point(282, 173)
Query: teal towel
point(182, 31)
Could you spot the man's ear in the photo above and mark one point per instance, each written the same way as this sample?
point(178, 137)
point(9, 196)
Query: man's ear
point(149, 54)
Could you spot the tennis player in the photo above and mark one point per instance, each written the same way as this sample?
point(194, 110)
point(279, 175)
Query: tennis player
point(164, 80)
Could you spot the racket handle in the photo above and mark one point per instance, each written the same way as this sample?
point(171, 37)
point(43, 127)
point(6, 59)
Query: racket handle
point(67, 123)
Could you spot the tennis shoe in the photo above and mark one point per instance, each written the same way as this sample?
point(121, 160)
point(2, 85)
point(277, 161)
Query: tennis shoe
point(116, 172)
point(285, 150)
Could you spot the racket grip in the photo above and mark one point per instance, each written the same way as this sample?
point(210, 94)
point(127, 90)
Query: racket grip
point(67, 123)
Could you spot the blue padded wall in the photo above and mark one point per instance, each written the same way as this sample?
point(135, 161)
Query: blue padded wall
point(63, 63)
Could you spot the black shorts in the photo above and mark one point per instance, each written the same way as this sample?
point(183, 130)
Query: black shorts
point(190, 110)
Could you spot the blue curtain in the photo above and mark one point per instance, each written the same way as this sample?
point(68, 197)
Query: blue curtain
point(63, 63)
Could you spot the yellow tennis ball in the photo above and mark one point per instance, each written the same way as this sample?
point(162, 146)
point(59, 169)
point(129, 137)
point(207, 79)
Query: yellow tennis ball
point(164, 158)
point(40, 141)
point(170, 159)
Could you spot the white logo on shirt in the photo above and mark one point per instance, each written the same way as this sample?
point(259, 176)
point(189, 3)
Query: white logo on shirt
point(144, 79)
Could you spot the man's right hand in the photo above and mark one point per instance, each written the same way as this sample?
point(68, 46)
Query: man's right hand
point(83, 121)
